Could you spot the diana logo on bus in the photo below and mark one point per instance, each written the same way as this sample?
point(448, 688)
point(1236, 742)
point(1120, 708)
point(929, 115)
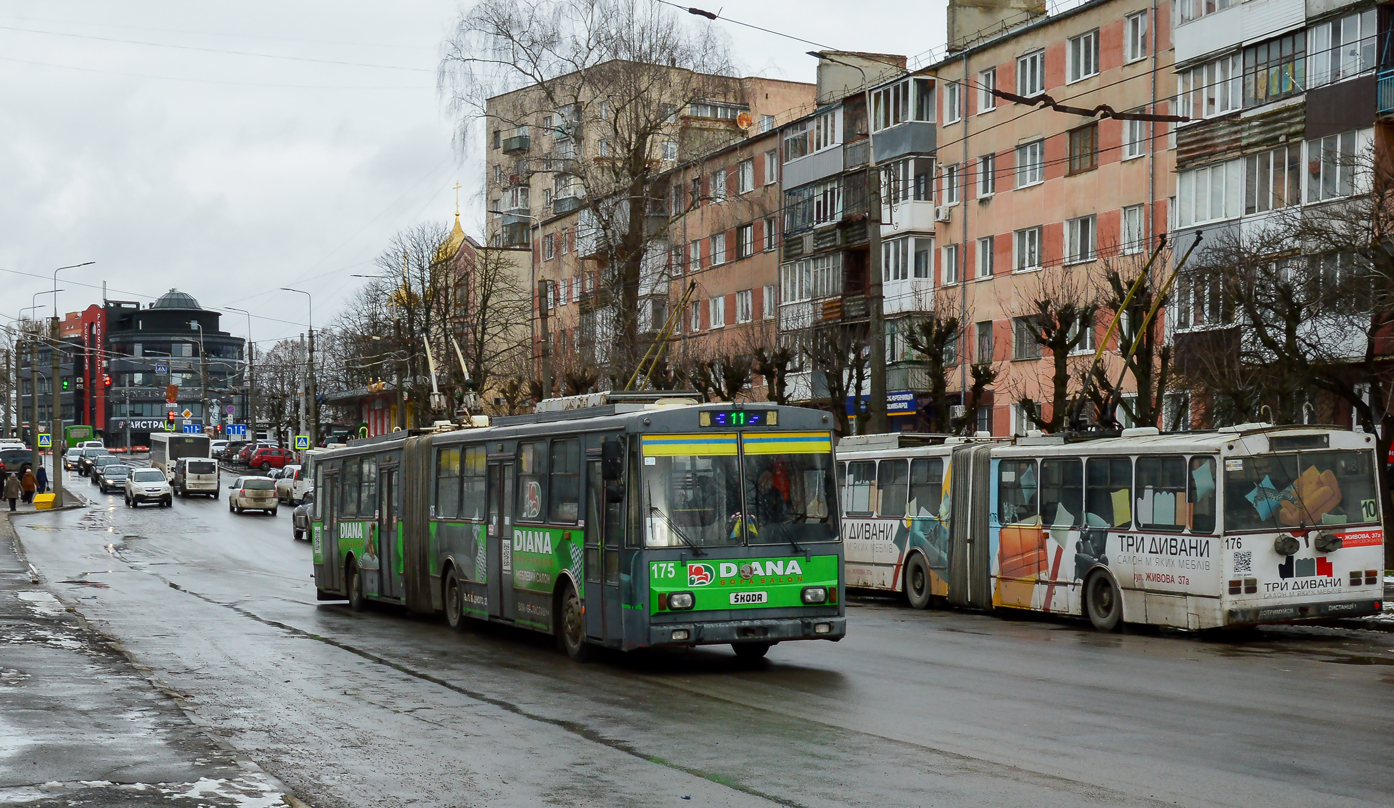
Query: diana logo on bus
point(730, 418)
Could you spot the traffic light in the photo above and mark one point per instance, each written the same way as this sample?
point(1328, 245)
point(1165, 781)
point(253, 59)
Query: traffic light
point(67, 383)
point(173, 415)
point(107, 381)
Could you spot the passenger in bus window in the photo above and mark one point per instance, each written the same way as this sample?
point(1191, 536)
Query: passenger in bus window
point(770, 505)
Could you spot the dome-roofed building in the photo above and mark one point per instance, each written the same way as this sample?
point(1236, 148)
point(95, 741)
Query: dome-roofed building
point(175, 299)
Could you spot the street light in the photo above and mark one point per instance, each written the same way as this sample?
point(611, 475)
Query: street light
point(251, 373)
point(314, 405)
point(56, 290)
point(878, 422)
point(202, 374)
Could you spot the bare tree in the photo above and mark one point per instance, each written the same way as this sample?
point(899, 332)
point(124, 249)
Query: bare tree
point(1057, 307)
point(837, 353)
point(934, 336)
point(493, 318)
point(613, 76)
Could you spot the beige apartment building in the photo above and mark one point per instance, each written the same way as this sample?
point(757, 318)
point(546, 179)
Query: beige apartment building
point(1030, 200)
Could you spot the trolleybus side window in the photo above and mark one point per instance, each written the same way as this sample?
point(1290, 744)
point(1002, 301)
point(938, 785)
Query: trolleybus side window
point(565, 488)
point(1278, 491)
point(1161, 493)
point(1108, 492)
point(448, 483)
point(842, 484)
point(789, 493)
point(368, 490)
point(861, 483)
point(316, 509)
point(1017, 486)
point(892, 482)
point(349, 480)
point(926, 486)
point(1062, 492)
point(1200, 493)
point(532, 480)
point(472, 472)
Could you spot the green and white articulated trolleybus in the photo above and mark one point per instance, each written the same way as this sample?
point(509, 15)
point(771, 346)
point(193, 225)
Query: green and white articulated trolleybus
point(632, 523)
point(1197, 530)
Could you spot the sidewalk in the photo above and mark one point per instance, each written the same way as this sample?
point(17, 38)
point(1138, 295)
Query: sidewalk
point(81, 725)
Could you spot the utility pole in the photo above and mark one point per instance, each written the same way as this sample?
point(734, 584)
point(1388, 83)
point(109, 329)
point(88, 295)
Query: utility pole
point(34, 399)
point(543, 307)
point(314, 406)
point(55, 428)
point(251, 414)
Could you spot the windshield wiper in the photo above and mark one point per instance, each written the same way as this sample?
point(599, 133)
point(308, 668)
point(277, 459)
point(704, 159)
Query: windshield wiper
point(696, 550)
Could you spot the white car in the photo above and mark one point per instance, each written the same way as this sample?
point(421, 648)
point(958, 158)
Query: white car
point(216, 447)
point(252, 494)
point(286, 484)
point(148, 485)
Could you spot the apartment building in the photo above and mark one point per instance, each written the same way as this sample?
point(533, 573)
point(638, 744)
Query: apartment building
point(1028, 198)
point(1286, 100)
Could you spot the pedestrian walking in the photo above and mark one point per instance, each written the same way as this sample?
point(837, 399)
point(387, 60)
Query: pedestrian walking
point(12, 488)
point(42, 479)
point(28, 483)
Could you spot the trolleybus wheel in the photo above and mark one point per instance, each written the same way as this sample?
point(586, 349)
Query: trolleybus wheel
point(917, 581)
point(355, 588)
point(454, 602)
point(751, 651)
point(1102, 602)
point(571, 629)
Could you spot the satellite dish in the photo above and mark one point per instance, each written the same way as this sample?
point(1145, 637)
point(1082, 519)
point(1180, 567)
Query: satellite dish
point(744, 120)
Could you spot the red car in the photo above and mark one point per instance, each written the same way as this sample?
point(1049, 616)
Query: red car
point(268, 458)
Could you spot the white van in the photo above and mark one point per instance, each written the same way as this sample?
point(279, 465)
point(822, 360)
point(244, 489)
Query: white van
point(195, 475)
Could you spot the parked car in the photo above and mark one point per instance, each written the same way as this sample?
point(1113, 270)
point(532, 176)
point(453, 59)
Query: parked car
point(94, 474)
point(148, 485)
point(252, 494)
point(232, 449)
point(195, 475)
point(267, 458)
point(14, 460)
point(300, 517)
point(84, 466)
point(285, 484)
point(112, 476)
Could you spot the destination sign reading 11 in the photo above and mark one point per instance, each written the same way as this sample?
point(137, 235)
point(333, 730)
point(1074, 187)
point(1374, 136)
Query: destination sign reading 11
point(729, 418)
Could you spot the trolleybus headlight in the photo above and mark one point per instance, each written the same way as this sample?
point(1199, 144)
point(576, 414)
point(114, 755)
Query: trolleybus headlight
point(680, 600)
point(681, 635)
point(822, 628)
point(815, 594)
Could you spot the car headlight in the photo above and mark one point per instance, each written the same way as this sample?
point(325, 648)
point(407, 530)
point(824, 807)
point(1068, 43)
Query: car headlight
point(815, 594)
point(680, 600)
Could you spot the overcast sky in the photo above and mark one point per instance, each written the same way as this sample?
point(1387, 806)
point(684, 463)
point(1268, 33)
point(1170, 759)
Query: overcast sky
point(232, 149)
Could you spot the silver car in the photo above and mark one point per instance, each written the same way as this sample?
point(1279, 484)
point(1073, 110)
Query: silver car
point(252, 494)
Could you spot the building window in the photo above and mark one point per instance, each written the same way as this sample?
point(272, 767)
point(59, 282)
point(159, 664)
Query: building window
point(1341, 48)
point(770, 239)
point(1134, 138)
point(1027, 249)
point(1030, 164)
point(1084, 148)
point(1079, 240)
point(895, 259)
point(676, 258)
point(771, 167)
point(987, 175)
point(716, 311)
point(718, 249)
point(1210, 89)
point(1083, 56)
point(984, 342)
point(796, 141)
point(827, 202)
point(1086, 343)
point(951, 185)
point(767, 301)
point(766, 123)
point(1195, 9)
point(1024, 342)
point(987, 82)
point(745, 173)
point(694, 317)
point(951, 264)
point(565, 240)
point(1275, 69)
point(745, 241)
point(694, 254)
point(745, 306)
point(909, 100)
point(1331, 164)
point(811, 278)
point(1273, 179)
point(824, 134)
point(924, 249)
point(549, 250)
point(1135, 37)
point(1208, 194)
point(498, 138)
point(719, 185)
point(952, 102)
point(1133, 238)
point(985, 256)
point(1030, 74)
point(670, 150)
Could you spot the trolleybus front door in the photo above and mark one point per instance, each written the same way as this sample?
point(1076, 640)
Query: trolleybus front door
point(389, 571)
point(501, 599)
point(329, 536)
point(595, 499)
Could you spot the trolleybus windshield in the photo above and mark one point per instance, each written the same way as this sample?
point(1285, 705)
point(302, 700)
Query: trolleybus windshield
point(1312, 489)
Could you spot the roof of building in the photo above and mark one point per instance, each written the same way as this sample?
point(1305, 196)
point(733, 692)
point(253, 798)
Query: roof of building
point(175, 299)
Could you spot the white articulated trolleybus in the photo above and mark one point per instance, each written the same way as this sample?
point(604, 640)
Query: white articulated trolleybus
point(1196, 530)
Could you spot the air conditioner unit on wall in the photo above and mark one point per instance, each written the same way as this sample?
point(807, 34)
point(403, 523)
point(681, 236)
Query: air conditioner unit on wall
point(942, 213)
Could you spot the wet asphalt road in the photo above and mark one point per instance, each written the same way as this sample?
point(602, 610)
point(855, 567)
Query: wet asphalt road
point(913, 708)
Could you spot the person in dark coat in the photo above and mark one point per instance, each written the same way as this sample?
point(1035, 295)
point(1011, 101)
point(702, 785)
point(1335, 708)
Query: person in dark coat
point(12, 488)
point(28, 483)
point(42, 479)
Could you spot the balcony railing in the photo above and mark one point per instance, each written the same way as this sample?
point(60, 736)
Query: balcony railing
point(854, 155)
point(1384, 92)
point(516, 144)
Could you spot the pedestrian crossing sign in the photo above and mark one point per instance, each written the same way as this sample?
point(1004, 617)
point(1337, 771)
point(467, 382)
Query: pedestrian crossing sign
point(45, 440)
point(302, 442)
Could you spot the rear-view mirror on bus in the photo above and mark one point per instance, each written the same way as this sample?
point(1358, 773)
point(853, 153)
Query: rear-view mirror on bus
point(612, 459)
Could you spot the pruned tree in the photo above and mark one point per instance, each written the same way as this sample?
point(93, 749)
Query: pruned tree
point(934, 337)
point(1057, 308)
point(1147, 353)
point(837, 353)
point(983, 374)
point(612, 76)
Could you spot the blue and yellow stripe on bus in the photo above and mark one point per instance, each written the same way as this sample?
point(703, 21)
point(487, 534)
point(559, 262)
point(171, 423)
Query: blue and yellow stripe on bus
point(787, 443)
point(705, 444)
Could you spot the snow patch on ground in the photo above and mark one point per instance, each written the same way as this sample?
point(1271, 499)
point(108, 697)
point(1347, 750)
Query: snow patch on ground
point(41, 603)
